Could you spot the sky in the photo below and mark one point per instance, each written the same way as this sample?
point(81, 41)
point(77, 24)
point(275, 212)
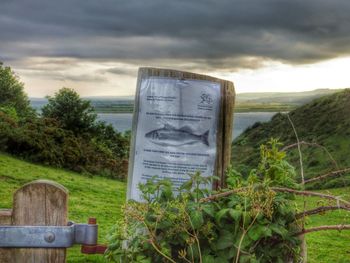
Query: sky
point(97, 46)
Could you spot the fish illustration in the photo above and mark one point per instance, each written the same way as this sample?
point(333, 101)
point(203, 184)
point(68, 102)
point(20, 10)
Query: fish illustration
point(171, 136)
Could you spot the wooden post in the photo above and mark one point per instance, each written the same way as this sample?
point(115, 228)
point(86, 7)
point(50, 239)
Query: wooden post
point(225, 122)
point(5, 219)
point(39, 203)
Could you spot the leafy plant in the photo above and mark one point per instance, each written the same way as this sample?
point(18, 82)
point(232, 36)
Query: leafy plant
point(71, 111)
point(248, 222)
point(12, 94)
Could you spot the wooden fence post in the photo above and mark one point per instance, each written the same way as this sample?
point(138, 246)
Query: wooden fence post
point(39, 203)
point(5, 219)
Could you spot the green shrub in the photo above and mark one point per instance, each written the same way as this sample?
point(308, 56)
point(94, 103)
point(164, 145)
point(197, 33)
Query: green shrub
point(251, 224)
point(72, 112)
point(43, 140)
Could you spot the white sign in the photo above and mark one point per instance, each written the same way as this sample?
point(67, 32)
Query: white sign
point(175, 130)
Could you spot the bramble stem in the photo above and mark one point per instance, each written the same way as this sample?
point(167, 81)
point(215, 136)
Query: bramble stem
point(322, 228)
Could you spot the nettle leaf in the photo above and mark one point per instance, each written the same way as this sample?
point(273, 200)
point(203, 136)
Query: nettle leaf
point(221, 214)
point(257, 232)
point(280, 230)
point(226, 239)
point(247, 219)
point(235, 214)
point(143, 259)
point(208, 209)
point(197, 218)
point(233, 201)
point(186, 185)
point(208, 259)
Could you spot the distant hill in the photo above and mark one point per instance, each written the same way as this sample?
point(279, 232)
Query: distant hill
point(295, 98)
point(101, 104)
point(264, 101)
point(325, 121)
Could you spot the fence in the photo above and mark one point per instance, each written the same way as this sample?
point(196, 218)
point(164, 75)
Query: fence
point(35, 205)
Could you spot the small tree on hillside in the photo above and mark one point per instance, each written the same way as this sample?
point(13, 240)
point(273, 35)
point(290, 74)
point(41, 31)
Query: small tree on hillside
point(12, 95)
point(71, 111)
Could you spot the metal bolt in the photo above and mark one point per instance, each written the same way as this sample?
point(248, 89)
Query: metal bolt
point(49, 237)
point(92, 221)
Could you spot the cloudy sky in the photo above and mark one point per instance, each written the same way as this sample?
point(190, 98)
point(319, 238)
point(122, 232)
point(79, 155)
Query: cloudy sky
point(96, 46)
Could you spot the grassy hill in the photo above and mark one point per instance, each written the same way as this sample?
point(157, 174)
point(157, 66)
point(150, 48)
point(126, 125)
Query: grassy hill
point(88, 197)
point(293, 98)
point(325, 121)
point(102, 198)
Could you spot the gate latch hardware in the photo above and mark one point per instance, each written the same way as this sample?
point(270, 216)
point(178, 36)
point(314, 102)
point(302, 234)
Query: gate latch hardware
point(48, 236)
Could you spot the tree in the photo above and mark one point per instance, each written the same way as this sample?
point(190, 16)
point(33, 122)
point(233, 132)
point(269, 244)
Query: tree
point(12, 93)
point(71, 111)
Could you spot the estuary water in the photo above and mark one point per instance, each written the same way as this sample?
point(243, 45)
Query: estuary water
point(242, 120)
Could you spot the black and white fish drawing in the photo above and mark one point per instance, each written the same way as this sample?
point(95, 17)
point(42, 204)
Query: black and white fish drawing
point(171, 136)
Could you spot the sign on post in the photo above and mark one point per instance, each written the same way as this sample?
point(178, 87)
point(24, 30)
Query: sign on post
point(182, 124)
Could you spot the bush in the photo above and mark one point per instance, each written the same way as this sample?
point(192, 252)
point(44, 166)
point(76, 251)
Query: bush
point(67, 135)
point(251, 224)
point(72, 112)
point(43, 140)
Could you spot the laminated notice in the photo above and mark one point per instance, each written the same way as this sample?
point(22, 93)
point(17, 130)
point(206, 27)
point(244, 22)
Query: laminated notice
point(175, 130)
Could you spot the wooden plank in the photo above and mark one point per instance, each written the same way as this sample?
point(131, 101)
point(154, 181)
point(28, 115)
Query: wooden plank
point(228, 107)
point(40, 203)
point(224, 132)
point(5, 219)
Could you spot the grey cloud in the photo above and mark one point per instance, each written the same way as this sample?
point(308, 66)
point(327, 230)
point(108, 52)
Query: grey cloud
point(224, 34)
point(63, 76)
point(120, 71)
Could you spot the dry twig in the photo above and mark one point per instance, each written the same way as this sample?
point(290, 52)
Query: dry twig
point(319, 210)
point(311, 144)
point(331, 174)
point(282, 190)
point(322, 228)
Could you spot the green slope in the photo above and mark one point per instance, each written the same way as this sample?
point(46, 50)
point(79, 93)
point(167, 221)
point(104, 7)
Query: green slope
point(325, 121)
point(292, 98)
point(102, 198)
point(88, 197)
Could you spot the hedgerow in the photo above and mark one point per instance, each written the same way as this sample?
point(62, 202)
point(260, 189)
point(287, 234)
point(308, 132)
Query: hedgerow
point(253, 220)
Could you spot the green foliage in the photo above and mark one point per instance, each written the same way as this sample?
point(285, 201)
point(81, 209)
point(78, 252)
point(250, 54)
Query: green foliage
point(12, 93)
point(97, 197)
point(324, 121)
point(102, 198)
point(71, 111)
point(66, 136)
point(43, 140)
point(253, 224)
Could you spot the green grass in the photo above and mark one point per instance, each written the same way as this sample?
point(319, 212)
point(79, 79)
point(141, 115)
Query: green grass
point(101, 198)
point(88, 197)
point(328, 246)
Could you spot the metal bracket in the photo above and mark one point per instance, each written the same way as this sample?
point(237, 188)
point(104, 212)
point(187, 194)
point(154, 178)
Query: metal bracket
point(48, 236)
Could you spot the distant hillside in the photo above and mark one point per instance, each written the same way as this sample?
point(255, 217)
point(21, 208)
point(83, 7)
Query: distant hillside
point(295, 98)
point(264, 101)
point(325, 121)
point(101, 104)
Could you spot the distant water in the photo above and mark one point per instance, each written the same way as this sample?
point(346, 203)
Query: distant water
point(242, 120)
point(120, 121)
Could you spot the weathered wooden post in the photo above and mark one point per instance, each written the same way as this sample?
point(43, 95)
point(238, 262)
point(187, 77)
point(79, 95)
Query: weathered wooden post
point(36, 229)
point(39, 203)
point(182, 123)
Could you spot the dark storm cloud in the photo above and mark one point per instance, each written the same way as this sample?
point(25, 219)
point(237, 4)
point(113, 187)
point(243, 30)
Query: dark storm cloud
point(120, 71)
point(216, 33)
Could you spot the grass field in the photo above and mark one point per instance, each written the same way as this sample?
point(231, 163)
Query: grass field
point(88, 197)
point(101, 198)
